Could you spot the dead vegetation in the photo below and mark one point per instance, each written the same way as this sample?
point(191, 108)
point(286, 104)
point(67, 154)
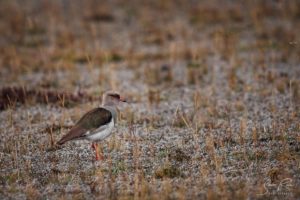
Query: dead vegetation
point(213, 86)
point(13, 96)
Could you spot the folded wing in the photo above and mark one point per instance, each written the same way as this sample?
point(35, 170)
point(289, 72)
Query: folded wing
point(91, 121)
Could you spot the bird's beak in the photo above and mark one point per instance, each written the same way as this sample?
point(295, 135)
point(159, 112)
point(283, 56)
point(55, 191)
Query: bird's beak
point(123, 99)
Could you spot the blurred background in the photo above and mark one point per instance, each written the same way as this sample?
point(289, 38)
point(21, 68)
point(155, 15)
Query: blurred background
point(47, 36)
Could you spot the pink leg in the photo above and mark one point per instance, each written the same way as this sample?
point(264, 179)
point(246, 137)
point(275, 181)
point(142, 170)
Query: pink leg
point(95, 147)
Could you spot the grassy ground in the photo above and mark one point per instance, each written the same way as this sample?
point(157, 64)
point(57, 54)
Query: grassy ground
point(214, 91)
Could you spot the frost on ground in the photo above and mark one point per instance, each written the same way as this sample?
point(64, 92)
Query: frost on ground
point(214, 99)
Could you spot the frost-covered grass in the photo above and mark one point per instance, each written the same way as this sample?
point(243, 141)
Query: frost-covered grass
point(214, 99)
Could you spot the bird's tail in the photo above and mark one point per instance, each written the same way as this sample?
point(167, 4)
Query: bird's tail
point(54, 147)
point(57, 146)
point(74, 133)
point(60, 142)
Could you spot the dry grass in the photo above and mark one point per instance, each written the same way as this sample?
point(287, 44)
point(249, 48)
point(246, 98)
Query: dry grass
point(214, 94)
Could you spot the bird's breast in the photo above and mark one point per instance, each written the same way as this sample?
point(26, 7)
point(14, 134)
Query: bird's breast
point(101, 133)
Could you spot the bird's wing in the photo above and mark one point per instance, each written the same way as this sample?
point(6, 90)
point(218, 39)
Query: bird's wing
point(94, 131)
point(91, 121)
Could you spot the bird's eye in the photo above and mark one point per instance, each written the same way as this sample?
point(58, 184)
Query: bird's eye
point(115, 96)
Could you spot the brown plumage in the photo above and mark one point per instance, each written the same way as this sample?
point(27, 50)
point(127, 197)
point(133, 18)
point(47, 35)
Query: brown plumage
point(91, 121)
point(97, 124)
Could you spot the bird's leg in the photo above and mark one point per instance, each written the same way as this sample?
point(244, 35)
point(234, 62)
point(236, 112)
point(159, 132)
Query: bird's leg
point(98, 156)
point(95, 147)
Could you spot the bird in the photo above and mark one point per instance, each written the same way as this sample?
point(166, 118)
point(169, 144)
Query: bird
point(97, 124)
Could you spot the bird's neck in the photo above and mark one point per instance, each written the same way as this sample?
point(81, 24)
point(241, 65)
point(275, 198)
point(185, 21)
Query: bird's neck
point(108, 103)
point(112, 109)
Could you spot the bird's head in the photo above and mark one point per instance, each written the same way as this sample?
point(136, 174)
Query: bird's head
point(112, 98)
